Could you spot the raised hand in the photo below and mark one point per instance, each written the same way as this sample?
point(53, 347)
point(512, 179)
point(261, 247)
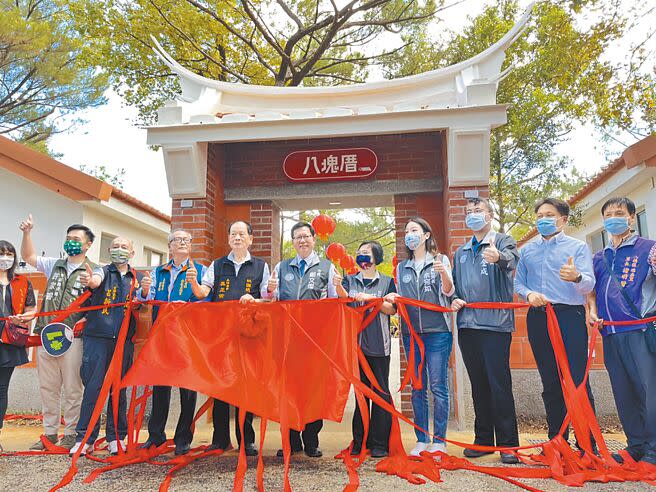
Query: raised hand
point(491, 254)
point(27, 225)
point(146, 282)
point(85, 276)
point(272, 284)
point(438, 266)
point(568, 271)
point(337, 279)
point(192, 274)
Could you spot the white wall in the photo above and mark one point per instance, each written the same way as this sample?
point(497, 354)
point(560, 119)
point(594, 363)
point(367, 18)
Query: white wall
point(52, 213)
point(126, 221)
point(638, 184)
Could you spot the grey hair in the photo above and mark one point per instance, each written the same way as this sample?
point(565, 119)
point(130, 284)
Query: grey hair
point(170, 237)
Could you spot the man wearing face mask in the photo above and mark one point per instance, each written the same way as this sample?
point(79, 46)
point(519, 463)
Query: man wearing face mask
point(626, 290)
point(111, 284)
point(556, 269)
point(483, 272)
point(305, 276)
point(59, 377)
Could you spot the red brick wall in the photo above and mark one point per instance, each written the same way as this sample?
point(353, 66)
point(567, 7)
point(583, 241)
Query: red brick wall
point(265, 219)
point(407, 156)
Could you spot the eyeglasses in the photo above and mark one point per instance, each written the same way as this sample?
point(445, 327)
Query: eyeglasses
point(302, 238)
point(181, 240)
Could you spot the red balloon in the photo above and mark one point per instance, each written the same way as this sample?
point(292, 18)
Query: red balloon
point(324, 226)
point(347, 262)
point(335, 252)
point(353, 271)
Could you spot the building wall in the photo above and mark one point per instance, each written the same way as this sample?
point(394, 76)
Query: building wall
point(52, 213)
point(145, 232)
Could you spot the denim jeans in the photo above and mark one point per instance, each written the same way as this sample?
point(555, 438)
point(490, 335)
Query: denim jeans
point(437, 349)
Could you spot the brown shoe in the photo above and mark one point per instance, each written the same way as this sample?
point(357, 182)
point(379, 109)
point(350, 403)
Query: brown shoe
point(67, 442)
point(39, 446)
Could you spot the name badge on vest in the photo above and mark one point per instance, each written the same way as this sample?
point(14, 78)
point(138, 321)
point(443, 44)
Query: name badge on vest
point(56, 339)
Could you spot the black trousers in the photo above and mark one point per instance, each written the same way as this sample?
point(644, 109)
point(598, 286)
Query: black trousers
point(380, 422)
point(632, 371)
point(160, 414)
point(574, 331)
point(486, 355)
point(5, 376)
point(221, 422)
point(310, 436)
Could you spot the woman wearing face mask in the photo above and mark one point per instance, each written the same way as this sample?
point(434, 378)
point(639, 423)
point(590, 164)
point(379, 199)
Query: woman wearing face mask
point(426, 276)
point(17, 303)
point(375, 342)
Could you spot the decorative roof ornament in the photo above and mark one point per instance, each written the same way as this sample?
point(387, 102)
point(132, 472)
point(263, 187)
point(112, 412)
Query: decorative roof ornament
point(473, 82)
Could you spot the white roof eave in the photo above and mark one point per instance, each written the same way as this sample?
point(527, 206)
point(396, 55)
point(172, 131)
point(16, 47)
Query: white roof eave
point(471, 82)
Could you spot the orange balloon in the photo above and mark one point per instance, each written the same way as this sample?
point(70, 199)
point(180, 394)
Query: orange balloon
point(347, 262)
point(324, 226)
point(335, 252)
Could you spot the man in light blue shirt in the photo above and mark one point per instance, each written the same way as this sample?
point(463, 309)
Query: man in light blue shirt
point(556, 269)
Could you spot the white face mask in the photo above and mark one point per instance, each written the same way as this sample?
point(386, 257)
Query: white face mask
point(6, 262)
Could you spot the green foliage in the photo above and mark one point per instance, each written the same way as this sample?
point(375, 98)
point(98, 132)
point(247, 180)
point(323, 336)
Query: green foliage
point(352, 229)
point(560, 78)
point(102, 173)
point(46, 71)
point(269, 42)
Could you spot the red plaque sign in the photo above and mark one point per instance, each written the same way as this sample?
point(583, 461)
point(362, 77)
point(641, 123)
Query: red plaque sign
point(330, 164)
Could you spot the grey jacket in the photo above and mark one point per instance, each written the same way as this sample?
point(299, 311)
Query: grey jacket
point(478, 281)
point(312, 285)
point(375, 339)
point(424, 285)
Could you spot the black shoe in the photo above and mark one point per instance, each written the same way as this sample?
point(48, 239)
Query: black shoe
point(280, 453)
point(182, 449)
point(250, 449)
point(313, 452)
point(214, 447)
point(509, 458)
point(355, 450)
point(378, 453)
point(150, 444)
point(474, 453)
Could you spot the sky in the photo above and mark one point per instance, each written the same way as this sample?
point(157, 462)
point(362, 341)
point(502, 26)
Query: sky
point(109, 137)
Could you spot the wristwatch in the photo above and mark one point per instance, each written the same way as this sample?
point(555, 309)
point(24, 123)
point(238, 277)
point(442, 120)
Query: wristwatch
point(579, 278)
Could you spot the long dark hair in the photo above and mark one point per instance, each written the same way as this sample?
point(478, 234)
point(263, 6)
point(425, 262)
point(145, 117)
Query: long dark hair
point(431, 245)
point(5, 248)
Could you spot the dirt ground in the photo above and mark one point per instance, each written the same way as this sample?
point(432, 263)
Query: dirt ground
point(39, 473)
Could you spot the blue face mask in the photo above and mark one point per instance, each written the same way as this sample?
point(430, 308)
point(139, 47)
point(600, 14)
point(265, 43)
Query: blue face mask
point(616, 225)
point(547, 226)
point(476, 221)
point(364, 261)
point(413, 240)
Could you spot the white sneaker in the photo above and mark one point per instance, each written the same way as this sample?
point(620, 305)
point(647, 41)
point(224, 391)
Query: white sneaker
point(434, 447)
point(419, 447)
point(86, 449)
point(113, 447)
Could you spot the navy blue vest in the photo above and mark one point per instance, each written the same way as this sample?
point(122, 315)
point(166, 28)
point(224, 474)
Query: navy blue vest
point(229, 286)
point(181, 288)
point(115, 288)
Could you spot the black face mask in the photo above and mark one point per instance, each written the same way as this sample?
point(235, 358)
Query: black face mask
point(364, 261)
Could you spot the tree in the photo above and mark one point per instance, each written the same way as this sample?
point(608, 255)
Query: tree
point(102, 173)
point(369, 224)
point(269, 42)
point(559, 79)
point(45, 71)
